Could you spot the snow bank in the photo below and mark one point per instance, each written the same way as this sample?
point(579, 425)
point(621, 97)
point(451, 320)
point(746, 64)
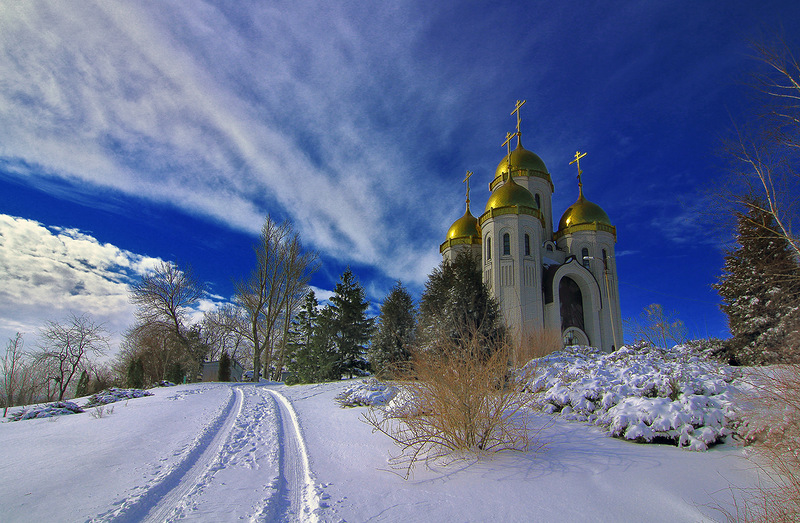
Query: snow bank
point(112, 395)
point(57, 408)
point(367, 393)
point(644, 394)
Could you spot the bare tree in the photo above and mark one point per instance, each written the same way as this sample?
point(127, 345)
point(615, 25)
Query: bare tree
point(157, 346)
point(300, 266)
point(657, 328)
point(17, 380)
point(163, 299)
point(765, 153)
point(264, 295)
point(225, 329)
point(166, 295)
point(68, 347)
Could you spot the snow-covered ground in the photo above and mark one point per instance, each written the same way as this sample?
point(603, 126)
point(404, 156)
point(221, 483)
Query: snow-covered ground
point(225, 452)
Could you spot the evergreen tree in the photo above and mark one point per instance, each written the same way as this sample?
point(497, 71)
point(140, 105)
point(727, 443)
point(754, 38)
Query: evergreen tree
point(457, 305)
point(391, 343)
point(351, 327)
point(760, 290)
point(312, 358)
point(135, 376)
point(224, 369)
point(175, 372)
point(82, 388)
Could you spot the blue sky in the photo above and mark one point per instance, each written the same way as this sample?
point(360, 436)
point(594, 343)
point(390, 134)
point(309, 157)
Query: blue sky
point(137, 131)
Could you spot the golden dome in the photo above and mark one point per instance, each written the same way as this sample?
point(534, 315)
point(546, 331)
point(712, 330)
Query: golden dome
point(523, 160)
point(511, 194)
point(583, 212)
point(465, 227)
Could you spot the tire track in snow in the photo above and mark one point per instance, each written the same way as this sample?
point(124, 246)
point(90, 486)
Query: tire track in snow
point(160, 499)
point(296, 489)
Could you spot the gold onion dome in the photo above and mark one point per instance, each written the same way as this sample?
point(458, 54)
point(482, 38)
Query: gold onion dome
point(583, 212)
point(523, 160)
point(511, 194)
point(465, 227)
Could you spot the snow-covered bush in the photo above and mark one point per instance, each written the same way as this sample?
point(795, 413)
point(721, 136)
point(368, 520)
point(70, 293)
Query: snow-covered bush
point(366, 393)
point(114, 394)
point(58, 408)
point(641, 393)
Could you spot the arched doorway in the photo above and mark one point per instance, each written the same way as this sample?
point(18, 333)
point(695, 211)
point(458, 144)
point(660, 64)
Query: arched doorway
point(571, 298)
point(574, 336)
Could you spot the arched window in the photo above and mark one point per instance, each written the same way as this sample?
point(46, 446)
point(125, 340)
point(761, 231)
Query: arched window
point(506, 244)
point(585, 257)
point(488, 248)
point(550, 247)
point(538, 201)
point(605, 259)
point(527, 245)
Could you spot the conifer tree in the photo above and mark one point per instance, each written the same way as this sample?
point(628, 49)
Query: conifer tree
point(760, 290)
point(224, 369)
point(82, 389)
point(312, 344)
point(457, 305)
point(135, 376)
point(351, 327)
point(391, 343)
point(175, 372)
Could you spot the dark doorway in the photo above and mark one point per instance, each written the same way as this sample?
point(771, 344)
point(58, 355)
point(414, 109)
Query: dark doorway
point(571, 304)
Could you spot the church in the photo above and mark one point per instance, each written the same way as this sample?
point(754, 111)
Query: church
point(545, 278)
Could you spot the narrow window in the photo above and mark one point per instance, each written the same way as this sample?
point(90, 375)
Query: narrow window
point(585, 257)
point(538, 201)
point(605, 259)
point(527, 245)
point(506, 244)
point(488, 248)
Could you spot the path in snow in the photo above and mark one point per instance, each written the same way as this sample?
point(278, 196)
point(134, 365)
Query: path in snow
point(164, 492)
point(296, 486)
point(250, 463)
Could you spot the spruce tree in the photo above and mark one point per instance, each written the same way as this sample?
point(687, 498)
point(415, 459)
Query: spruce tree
point(175, 372)
point(351, 327)
point(135, 376)
point(224, 369)
point(457, 305)
point(311, 342)
point(391, 343)
point(760, 290)
point(82, 388)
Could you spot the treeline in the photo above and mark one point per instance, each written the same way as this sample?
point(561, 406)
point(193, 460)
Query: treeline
point(274, 327)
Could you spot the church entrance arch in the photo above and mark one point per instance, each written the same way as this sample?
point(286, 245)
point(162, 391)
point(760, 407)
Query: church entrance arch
point(569, 294)
point(576, 297)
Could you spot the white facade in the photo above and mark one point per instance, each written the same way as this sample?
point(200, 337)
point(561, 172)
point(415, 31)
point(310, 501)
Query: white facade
point(560, 279)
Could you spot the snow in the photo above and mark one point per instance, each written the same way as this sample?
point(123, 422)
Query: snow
point(266, 452)
point(641, 393)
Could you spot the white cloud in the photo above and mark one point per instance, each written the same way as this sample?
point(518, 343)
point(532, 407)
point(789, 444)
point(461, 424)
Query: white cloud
point(228, 114)
point(46, 273)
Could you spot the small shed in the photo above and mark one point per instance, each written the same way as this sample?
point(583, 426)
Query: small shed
point(211, 370)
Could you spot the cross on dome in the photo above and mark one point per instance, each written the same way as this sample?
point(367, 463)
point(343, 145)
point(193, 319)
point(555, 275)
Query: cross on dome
point(577, 160)
point(466, 180)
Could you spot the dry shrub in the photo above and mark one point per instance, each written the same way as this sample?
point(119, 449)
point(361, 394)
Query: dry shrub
point(460, 399)
point(537, 343)
point(771, 426)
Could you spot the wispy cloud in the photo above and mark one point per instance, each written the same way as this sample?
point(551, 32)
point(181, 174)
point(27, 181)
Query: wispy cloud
point(231, 114)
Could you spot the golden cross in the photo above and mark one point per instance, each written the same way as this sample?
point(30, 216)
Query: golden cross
point(516, 110)
point(577, 160)
point(507, 143)
point(466, 180)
